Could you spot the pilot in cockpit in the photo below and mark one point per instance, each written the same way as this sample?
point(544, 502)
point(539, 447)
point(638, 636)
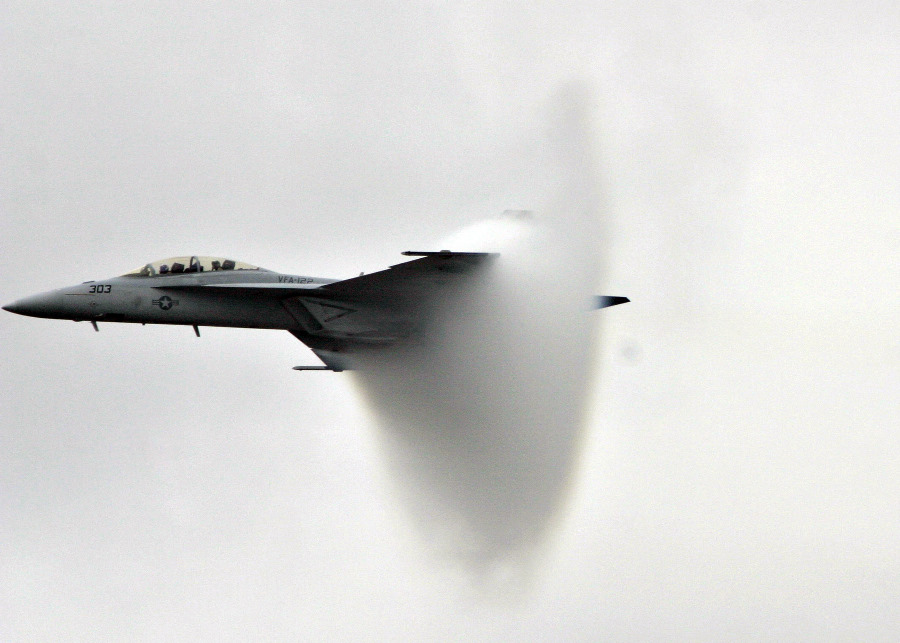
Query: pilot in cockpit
point(181, 265)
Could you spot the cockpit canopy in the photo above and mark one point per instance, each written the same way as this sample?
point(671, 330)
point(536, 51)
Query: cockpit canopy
point(179, 265)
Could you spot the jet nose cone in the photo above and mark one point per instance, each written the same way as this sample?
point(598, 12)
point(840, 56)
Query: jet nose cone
point(15, 307)
point(43, 305)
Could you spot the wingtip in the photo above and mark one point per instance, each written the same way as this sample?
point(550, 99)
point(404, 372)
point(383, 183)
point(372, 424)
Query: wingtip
point(447, 254)
point(419, 253)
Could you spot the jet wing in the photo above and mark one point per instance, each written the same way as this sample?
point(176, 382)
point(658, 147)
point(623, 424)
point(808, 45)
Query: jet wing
point(412, 282)
point(381, 307)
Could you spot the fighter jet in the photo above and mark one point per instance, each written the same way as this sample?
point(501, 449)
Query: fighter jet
point(337, 319)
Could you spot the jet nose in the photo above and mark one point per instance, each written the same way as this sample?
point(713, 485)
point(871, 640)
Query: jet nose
point(16, 307)
point(43, 305)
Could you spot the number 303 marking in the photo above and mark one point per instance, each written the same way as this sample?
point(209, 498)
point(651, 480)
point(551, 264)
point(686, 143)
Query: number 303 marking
point(101, 289)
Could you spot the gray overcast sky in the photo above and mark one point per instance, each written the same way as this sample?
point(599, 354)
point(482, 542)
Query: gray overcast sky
point(740, 476)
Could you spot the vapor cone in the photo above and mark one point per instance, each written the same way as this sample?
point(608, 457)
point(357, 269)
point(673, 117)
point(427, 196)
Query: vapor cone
point(482, 419)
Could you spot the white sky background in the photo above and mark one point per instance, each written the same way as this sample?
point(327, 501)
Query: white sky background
point(742, 472)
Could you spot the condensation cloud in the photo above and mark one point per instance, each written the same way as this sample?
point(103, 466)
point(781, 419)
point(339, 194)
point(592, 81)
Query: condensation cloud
point(482, 420)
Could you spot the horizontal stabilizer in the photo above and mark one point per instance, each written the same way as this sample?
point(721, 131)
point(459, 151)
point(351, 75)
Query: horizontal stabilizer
point(605, 301)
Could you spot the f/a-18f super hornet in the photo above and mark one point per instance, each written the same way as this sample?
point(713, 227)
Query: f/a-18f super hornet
point(337, 319)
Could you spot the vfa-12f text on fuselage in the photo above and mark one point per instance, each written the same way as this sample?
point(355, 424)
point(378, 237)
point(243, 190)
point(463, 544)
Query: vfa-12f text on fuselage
point(337, 319)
